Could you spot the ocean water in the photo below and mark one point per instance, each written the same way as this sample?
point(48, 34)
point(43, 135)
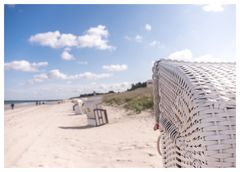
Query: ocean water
point(22, 103)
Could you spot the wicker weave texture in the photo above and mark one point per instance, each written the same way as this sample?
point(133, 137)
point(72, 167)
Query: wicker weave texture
point(196, 107)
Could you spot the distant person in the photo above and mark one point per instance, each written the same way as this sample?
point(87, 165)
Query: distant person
point(12, 106)
point(36, 103)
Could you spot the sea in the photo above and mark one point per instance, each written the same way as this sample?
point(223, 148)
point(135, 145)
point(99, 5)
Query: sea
point(22, 103)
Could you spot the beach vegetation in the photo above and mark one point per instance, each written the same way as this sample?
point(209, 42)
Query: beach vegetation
point(136, 100)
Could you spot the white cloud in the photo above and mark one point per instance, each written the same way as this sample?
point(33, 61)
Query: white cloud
point(185, 55)
point(154, 43)
point(148, 27)
point(213, 8)
point(100, 30)
point(66, 55)
point(138, 38)
point(94, 37)
point(115, 68)
point(103, 88)
point(65, 89)
point(46, 39)
point(57, 74)
point(67, 40)
point(24, 66)
point(39, 78)
point(91, 76)
point(117, 87)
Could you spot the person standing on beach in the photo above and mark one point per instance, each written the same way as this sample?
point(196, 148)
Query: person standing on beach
point(12, 106)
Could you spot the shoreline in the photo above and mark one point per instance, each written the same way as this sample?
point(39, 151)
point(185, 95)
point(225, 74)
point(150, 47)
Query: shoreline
point(7, 106)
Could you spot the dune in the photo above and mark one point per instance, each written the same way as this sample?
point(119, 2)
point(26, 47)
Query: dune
point(53, 136)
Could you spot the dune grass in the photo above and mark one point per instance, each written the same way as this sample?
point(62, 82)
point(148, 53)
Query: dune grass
point(136, 100)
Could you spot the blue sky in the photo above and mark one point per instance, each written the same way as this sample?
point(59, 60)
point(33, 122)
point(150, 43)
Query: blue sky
point(59, 51)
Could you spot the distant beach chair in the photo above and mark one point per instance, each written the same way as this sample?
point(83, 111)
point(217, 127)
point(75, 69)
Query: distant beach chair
point(195, 106)
point(78, 106)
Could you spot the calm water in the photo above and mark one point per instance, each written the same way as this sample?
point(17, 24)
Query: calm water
point(21, 103)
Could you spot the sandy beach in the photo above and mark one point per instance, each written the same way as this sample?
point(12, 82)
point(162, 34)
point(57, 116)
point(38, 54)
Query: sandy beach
point(53, 136)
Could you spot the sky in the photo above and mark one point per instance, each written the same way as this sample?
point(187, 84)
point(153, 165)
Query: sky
point(60, 51)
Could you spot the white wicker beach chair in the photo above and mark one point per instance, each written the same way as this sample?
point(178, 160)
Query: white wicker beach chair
point(195, 106)
point(95, 114)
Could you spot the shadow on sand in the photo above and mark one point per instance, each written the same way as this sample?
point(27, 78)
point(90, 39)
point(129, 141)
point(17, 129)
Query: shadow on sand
point(74, 114)
point(75, 127)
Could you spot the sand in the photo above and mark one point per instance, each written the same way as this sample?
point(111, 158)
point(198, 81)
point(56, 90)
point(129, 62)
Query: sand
point(53, 136)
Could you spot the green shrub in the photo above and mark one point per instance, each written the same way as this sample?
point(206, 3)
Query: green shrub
point(113, 101)
point(140, 103)
point(136, 100)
